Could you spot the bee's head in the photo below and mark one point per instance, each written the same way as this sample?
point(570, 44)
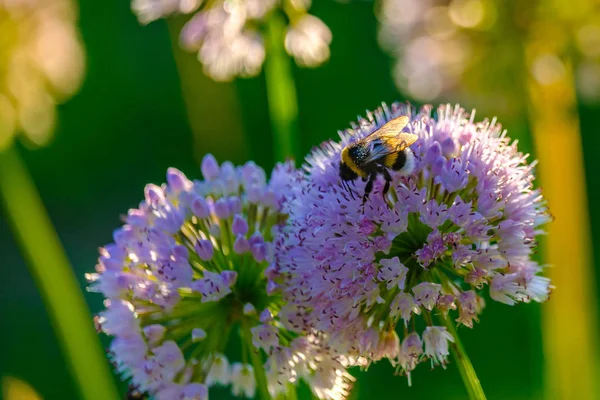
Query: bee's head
point(346, 172)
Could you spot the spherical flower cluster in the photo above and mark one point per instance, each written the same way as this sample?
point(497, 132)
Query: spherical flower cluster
point(367, 279)
point(186, 274)
point(228, 35)
point(41, 64)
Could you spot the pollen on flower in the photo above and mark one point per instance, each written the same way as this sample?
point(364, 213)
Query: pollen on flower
point(464, 221)
point(177, 286)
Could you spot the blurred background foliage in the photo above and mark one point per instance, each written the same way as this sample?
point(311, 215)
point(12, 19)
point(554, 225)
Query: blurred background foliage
point(145, 106)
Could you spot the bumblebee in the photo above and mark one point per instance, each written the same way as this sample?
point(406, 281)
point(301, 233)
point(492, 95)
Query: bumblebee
point(386, 148)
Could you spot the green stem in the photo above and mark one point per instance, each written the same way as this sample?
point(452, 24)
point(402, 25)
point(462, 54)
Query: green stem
point(281, 92)
point(467, 372)
point(54, 277)
point(257, 363)
point(203, 99)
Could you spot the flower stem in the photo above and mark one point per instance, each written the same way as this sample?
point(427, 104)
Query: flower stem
point(281, 92)
point(257, 364)
point(196, 88)
point(467, 372)
point(50, 268)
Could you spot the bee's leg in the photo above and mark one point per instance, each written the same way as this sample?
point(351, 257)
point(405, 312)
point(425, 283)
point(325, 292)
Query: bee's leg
point(388, 180)
point(346, 186)
point(369, 187)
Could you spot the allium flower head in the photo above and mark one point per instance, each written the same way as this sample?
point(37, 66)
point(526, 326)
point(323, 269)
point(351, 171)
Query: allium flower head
point(228, 34)
point(41, 64)
point(186, 275)
point(462, 223)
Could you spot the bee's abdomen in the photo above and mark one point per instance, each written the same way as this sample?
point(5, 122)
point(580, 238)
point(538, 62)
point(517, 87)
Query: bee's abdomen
point(396, 161)
point(404, 162)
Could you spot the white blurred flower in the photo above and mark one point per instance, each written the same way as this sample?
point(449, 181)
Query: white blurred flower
point(431, 53)
point(241, 55)
point(151, 10)
point(307, 40)
point(41, 64)
point(227, 34)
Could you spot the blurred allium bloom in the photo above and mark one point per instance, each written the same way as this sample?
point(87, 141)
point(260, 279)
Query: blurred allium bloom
point(228, 34)
point(187, 272)
point(463, 222)
point(308, 41)
point(472, 48)
point(41, 64)
point(431, 40)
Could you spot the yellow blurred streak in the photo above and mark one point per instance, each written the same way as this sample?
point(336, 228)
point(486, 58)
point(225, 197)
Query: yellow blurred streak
point(54, 277)
point(569, 318)
point(17, 389)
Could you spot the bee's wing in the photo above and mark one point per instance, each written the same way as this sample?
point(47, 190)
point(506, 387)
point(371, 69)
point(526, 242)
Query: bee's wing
point(389, 139)
point(390, 128)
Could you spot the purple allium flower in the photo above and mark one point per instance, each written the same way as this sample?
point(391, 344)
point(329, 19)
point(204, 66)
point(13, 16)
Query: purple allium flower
point(465, 218)
point(176, 287)
point(228, 35)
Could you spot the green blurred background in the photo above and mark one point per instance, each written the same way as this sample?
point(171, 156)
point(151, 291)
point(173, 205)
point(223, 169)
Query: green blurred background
point(129, 123)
